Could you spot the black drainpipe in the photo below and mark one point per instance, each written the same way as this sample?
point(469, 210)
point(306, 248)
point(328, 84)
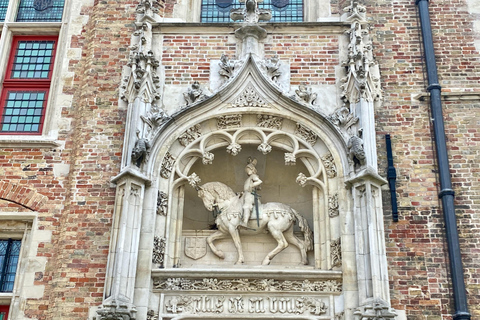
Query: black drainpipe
point(446, 193)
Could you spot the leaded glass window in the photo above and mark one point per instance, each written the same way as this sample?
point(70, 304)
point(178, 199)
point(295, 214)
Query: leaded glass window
point(40, 10)
point(25, 89)
point(9, 253)
point(282, 10)
point(3, 9)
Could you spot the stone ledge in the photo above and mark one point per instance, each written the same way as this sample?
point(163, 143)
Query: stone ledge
point(450, 96)
point(30, 142)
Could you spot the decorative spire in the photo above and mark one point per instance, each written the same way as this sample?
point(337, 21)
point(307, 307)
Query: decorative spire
point(250, 32)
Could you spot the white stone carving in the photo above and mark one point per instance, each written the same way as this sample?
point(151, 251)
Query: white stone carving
point(376, 309)
point(356, 151)
point(162, 203)
point(340, 316)
point(290, 159)
point(155, 117)
point(270, 122)
point(306, 95)
point(329, 164)
point(227, 67)
point(336, 252)
point(249, 98)
point(194, 180)
point(250, 14)
point(246, 285)
point(113, 309)
point(302, 179)
point(217, 194)
point(235, 305)
point(190, 135)
point(158, 256)
point(229, 121)
point(194, 94)
point(167, 165)
point(342, 117)
point(333, 210)
point(306, 134)
point(140, 151)
point(264, 148)
point(151, 315)
point(147, 5)
point(272, 67)
point(234, 149)
point(207, 157)
point(195, 247)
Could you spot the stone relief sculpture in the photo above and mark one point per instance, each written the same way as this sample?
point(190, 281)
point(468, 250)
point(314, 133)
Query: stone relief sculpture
point(342, 117)
point(336, 252)
point(227, 67)
point(190, 135)
point(271, 122)
point(330, 166)
point(249, 98)
point(158, 256)
point(305, 133)
point(162, 203)
point(229, 121)
point(234, 208)
point(305, 94)
point(140, 150)
point(272, 67)
point(356, 150)
point(194, 94)
point(167, 165)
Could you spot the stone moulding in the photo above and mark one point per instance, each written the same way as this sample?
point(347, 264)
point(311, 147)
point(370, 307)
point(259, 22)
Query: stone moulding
point(245, 284)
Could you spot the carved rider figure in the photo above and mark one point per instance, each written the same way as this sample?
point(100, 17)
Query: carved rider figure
point(249, 190)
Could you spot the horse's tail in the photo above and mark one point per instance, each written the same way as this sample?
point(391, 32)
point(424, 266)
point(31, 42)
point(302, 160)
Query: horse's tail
point(307, 232)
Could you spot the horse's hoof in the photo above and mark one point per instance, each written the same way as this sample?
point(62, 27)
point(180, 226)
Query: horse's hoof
point(265, 262)
point(221, 255)
point(240, 262)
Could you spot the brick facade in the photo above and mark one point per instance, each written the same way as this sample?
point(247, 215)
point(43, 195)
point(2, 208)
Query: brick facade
point(69, 185)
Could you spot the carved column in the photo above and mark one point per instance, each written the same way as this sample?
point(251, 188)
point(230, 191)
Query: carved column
point(124, 246)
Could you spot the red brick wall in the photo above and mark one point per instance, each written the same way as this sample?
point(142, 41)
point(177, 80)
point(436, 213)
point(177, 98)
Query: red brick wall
point(416, 245)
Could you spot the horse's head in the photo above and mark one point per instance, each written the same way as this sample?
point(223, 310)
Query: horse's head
point(207, 198)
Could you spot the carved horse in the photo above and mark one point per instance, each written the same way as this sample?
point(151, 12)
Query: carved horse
point(277, 218)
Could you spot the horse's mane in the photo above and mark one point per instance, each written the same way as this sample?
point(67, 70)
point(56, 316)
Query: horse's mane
point(218, 189)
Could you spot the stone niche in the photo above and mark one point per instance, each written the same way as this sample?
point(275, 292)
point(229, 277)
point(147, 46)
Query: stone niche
point(278, 186)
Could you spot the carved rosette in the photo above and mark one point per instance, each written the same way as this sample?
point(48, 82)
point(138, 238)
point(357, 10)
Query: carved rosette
point(229, 121)
point(167, 165)
point(329, 164)
point(249, 98)
point(162, 203)
point(336, 252)
point(306, 134)
point(158, 256)
point(270, 122)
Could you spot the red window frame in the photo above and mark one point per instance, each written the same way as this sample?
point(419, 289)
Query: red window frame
point(5, 309)
point(26, 83)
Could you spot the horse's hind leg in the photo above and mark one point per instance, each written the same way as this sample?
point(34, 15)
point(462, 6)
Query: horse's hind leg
point(237, 242)
point(291, 238)
point(282, 244)
point(216, 236)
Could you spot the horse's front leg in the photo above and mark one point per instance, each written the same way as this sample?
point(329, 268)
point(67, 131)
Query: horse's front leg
point(216, 236)
point(233, 229)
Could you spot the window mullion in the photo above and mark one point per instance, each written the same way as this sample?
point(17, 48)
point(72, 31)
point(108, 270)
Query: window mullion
point(5, 265)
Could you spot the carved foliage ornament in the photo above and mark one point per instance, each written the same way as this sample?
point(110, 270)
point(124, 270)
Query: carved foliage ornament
point(329, 164)
point(194, 94)
point(229, 121)
point(333, 206)
point(272, 67)
point(190, 135)
point(336, 252)
point(248, 285)
point(375, 310)
point(227, 67)
point(306, 95)
point(158, 257)
point(167, 165)
point(151, 315)
point(270, 122)
point(113, 310)
point(249, 98)
point(306, 134)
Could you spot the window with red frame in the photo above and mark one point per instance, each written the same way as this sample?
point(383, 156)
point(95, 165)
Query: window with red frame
point(4, 312)
point(27, 83)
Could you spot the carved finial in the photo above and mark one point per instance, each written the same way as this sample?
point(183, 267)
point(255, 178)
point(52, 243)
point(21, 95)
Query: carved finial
point(272, 67)
point(194, 94)
point(305, 94)
point(251, 13)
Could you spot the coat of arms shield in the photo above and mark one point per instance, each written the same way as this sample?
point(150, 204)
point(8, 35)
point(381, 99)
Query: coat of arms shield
point(195, 247)
point(280, 3)
point(41, 5)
